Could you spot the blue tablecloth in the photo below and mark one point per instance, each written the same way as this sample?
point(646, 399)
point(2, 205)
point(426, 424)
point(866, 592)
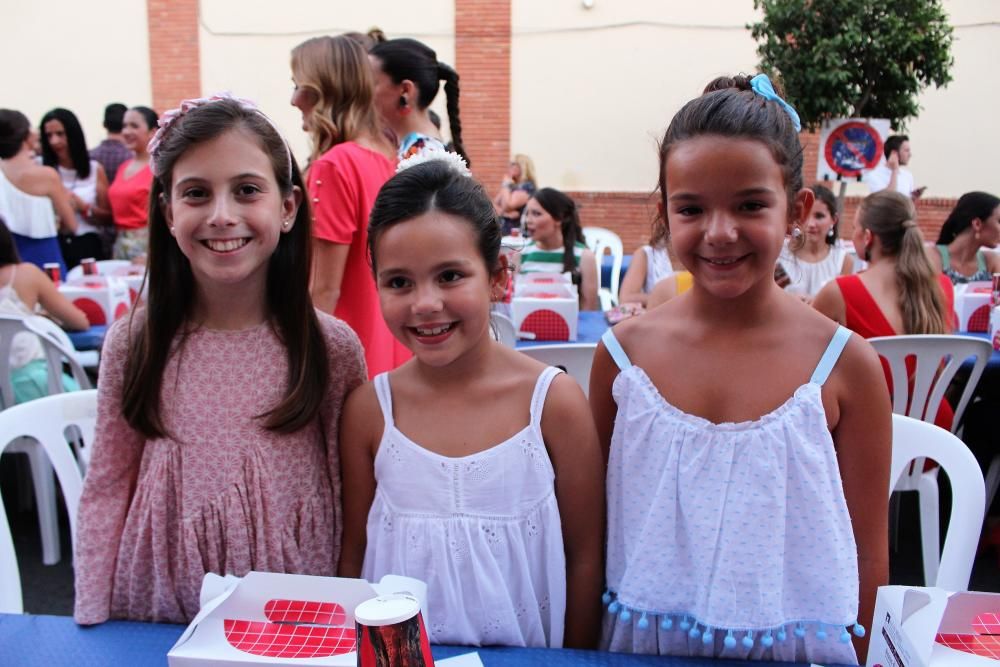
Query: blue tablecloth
point(91, 339)
point(56, 641)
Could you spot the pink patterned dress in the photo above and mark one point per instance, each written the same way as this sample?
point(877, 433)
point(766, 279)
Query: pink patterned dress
point(221, 493)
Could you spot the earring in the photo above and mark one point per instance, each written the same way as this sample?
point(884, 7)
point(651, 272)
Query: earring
point(796, 233)
point(831, 234)
point(285, 224)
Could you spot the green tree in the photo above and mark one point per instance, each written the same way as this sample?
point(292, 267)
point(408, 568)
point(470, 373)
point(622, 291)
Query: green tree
point(854, 58)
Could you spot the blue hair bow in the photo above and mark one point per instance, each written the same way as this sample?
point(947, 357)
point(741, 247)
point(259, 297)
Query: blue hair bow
point(761, 85)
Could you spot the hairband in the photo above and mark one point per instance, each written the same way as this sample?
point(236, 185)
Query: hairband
point(168, 118)
point(761, 85)
point(454, 161)
point(907, 224)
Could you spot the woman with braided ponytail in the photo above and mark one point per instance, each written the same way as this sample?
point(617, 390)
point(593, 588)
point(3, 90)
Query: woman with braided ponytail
point(407, 78)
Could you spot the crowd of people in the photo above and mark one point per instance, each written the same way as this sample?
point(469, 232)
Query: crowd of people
point(312, 386)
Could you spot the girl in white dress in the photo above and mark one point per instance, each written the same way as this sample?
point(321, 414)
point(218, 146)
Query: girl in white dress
point(813, 258)
point(471, 466)
point(748, 439)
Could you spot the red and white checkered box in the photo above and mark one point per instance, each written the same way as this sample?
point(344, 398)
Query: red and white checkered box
point(972, 306)
point(104, 299)
point(281, 619)
point(931, 627)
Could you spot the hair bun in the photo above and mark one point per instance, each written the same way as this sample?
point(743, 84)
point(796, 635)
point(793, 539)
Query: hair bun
point(739, 82)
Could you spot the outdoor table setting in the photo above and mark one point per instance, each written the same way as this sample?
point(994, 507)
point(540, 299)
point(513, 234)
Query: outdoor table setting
point(56, 641)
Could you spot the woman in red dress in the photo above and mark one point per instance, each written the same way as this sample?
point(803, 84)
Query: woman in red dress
point(900, 293)
point(351, 159)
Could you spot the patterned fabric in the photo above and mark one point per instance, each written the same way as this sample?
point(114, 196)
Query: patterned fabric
point(111, 153)
point(131, 243)
point(416, 144)
point(221, 493)
point(728, 540)
point(807, 278)
point(982, 272)
point(342, 185)
point(482, 530)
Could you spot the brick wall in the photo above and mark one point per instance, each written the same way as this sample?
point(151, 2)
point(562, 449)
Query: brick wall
point(173, 51)
point(482, 59)
point(630, 214)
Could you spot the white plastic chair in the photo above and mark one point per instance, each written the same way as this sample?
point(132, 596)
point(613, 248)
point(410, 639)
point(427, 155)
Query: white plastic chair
point(574, 358)
point(502, 329)
point(47, 422)
point(57, 353)
point(936, 360)
point(599, 239)
point(912, 442)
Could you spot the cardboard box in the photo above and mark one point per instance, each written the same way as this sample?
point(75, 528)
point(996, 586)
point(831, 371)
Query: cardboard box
point(104, 299)
point(972, 306)
point(545, 311)
point(931, 627)
point(281, 620)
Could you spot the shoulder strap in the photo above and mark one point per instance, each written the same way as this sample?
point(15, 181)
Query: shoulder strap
point(615, 350)
point(538, 397)
point(980, 261)
point(945, 257)
point(830, 357)
point(384, 394)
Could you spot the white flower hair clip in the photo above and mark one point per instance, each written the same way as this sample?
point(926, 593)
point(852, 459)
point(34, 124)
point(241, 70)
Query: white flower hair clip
point(454, 161)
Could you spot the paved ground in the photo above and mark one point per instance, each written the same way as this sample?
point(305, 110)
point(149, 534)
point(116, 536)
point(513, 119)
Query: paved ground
point(49, 589)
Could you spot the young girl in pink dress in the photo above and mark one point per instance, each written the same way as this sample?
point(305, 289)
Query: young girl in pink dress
point(748, 436)
point(471, 466)
point(218, 405)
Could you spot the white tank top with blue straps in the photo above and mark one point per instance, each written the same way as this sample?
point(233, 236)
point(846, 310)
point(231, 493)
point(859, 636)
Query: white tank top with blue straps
point(728, 540)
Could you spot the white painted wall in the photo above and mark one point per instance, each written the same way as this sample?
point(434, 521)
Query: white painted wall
point(72, 54)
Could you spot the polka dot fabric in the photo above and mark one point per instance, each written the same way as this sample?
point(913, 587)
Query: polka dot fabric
point(719, 527)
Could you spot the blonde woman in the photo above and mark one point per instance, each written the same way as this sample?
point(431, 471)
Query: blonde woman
point(517, 188)
point(350, 160)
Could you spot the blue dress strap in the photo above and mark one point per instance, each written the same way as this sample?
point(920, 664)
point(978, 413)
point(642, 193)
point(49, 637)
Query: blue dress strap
point(980, 262)
point(830, 357)
point(615, 350)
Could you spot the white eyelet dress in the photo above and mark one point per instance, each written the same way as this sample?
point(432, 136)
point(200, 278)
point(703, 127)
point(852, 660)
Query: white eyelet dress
point(482, 530)
point(728, 540)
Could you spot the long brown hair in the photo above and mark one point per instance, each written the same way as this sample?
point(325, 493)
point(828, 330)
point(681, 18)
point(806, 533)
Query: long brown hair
point(170, 304)
point(892, 218)
point(337, 72)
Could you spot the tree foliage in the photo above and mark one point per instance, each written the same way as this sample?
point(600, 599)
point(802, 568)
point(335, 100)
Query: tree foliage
point(854, 58)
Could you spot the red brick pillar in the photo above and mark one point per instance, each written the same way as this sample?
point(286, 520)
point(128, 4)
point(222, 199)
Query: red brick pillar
point(174, 55)
point(482, 59)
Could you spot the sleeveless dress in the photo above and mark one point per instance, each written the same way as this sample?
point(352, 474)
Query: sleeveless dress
point(807, 278)
point(728, 540)
point(482, 530)
point(31, 220)
point(982, 272)
point(658, 266)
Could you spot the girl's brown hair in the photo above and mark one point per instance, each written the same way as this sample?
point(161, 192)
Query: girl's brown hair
point(336, 71)
point(172, 293)
point(892, 218)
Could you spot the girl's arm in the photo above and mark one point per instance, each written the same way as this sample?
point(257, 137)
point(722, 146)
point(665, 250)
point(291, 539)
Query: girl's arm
point(60, 201)
point(362, 419)
point(863, 439)
point(571, 441)
point(588, 282)
point(663, 291)
point(329, 261)
point(101, 212)
point(108, 487)
point(634, 280)
point(602, 404)
point(830, 301)
point(55, 304)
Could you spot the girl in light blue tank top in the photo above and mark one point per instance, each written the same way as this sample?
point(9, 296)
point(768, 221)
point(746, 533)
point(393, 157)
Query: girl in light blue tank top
point(747, 436)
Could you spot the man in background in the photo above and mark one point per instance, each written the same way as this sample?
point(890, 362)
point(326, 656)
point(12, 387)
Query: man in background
point(892, 174)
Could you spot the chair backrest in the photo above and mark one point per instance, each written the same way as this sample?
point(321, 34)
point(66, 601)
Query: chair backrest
point(599, 239)
point(502, 329)
point(105, 267)
point(47, 421)
point(57, 351)
point(913, 439)
point(936, 359)
point(574, 358)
